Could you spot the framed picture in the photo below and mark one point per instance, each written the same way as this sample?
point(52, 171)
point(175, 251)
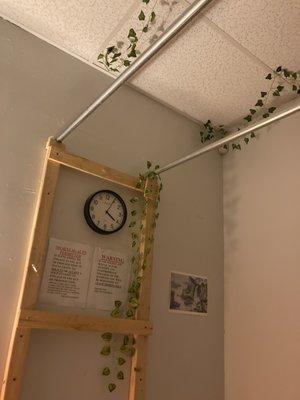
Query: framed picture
point(188, 293)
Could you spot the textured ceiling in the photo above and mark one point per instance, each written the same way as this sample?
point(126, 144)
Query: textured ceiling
point(215, 69)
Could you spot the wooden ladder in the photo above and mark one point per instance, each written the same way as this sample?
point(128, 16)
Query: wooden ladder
point(28, 317)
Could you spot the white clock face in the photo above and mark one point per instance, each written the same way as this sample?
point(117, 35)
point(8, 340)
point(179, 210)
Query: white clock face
point(106, 212)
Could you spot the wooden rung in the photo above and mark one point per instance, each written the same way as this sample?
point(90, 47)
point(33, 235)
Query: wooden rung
point(35, 319)
point(90, 167)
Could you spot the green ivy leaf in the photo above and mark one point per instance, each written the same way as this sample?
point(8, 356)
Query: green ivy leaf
point(127, 63)
point(145, 29)
point(259, 103)
point(149, 164)
point(100, 56)
point(286, 73)
point(120, 375)
point(132, 224)
point(125, 340)
point(133, 212)
point(266, 115)
point(111, 387)
point(106, 371)
point(278, 69)
point(152, 17)
point(272, 109)
point(269, 76)
point(132, 33)
point(246, 140)
point(105, 351)
point(118, 303)
point(134, 302)
point(121, 361)
point(276, 93)
point(252, 134)
point(116, 313)
point(107, 336)
point(263, 94)
point(252, 111)
point(130, 313)
point(294, 87)
point(248, 118)
point(110, 49)
point(280, 88)
point(134, 200)
point(294, 75)
point(133, 243)
point(142, 16)
point(236, 146)
point(146, 1)
point(132, 53)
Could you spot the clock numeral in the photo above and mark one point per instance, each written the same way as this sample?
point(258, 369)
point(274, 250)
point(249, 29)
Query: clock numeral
point(96, 202)
point(93, 216)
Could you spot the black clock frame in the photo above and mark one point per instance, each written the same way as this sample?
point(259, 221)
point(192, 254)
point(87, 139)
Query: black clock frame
point(89, 219)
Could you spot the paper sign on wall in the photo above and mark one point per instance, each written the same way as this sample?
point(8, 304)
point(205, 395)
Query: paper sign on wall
point(75, 277)
point(66, 275)
point(109, 279)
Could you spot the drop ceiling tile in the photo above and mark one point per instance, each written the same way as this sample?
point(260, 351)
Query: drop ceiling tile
point(166, 11)
point(79, 26)
point(268, 28)
point(204, 75)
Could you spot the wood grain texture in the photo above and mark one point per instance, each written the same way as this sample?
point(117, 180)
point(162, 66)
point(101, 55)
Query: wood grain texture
point(12, 384)
point(93, 168)
point(32, 275)
point(138, 369)
point(82, 322)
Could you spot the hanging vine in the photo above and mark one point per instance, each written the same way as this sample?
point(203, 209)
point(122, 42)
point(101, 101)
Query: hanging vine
point(123, 351)
point(120, 55)
point(282, 81)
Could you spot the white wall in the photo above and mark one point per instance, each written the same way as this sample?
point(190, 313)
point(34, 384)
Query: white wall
point(43, 88)
point(262, 260)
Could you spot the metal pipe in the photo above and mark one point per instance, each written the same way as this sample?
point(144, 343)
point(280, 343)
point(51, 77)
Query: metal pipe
point(169, 33)
point(236, 135)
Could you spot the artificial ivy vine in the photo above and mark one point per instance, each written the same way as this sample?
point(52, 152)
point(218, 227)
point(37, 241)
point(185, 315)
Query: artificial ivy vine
point(121, 54)
point(282, 80)
point(123, 351)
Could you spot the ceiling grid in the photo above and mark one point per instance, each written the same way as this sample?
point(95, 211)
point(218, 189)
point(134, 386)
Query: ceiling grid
point(215, 68)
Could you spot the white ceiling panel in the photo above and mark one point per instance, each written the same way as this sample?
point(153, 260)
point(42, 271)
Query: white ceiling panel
point(268, 28)
point(215, 68)
point(78, 26)
point(204, 76)
point(166, 12)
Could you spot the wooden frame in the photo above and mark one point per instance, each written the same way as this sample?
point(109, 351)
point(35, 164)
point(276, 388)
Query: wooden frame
point(28, 318)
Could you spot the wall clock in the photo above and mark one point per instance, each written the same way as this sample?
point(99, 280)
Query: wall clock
point(105, 212)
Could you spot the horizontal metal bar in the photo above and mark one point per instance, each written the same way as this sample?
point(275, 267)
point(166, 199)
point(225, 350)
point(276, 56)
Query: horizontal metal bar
point(169, 33)
point(294, 107)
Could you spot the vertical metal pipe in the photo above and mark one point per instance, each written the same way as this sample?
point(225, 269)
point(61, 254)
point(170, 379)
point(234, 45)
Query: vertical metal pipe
point(169, 33)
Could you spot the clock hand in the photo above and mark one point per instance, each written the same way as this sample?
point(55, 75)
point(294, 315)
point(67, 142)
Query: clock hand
point(111, 205)
point(110, 215)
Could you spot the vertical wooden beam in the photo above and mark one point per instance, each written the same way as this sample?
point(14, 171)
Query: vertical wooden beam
point(15, 364)
point(138, 368)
